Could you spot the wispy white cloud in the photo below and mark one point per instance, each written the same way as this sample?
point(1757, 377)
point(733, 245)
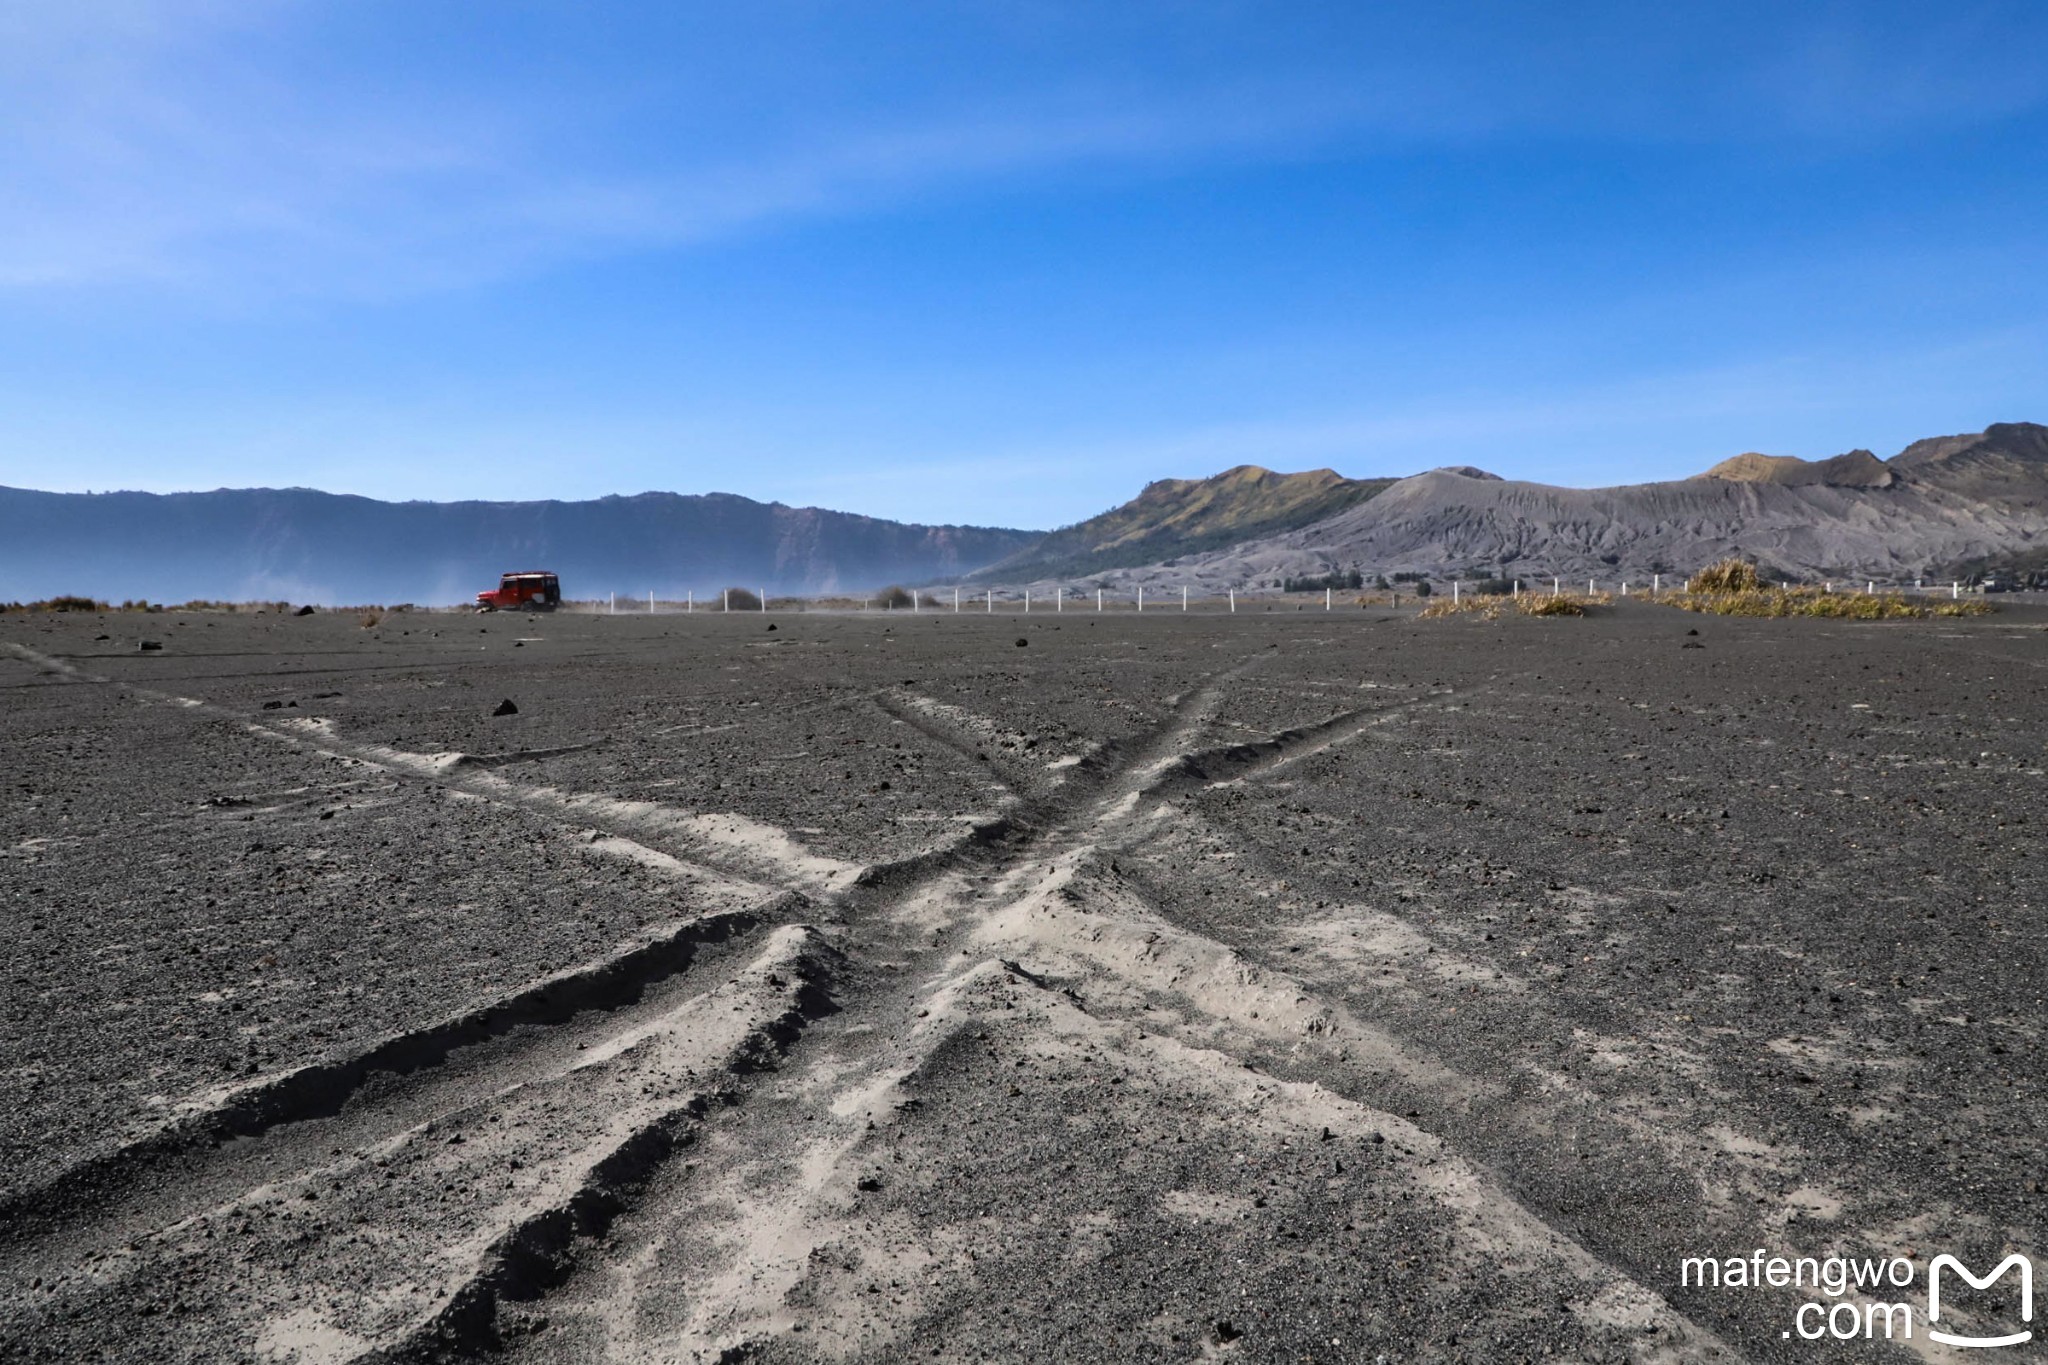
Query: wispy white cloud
point(193, 152)
point(217, 145)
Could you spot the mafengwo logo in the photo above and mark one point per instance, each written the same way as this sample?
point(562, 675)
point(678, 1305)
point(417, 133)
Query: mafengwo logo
point(2012, 1262)
point(1862, 1310)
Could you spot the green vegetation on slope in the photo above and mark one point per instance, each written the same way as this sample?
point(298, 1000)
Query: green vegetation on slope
point(1175, 517)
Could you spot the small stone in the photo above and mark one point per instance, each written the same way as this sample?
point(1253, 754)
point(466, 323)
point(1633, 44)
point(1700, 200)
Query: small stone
point(506, 708)
point(1021, 642)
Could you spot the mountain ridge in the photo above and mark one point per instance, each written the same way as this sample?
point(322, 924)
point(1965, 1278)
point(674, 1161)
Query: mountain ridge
point(1174, 517)
point(1939, 505)
point(308, 545)
point(1943, 505)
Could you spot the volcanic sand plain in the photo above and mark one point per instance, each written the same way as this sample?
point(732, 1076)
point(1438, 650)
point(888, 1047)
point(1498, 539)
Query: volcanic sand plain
point(1273, 986)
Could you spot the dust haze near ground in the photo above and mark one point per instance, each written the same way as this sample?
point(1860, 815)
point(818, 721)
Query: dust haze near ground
point(1272, 987)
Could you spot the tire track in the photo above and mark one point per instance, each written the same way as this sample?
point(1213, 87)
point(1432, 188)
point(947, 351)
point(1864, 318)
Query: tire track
point(98, 1188)
point(1107, 963)
point(1037, 884)
point(402, 1249)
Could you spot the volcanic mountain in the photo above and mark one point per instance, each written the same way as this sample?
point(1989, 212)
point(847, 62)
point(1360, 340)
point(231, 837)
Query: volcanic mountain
point(1176, 517)
point(1940, 506)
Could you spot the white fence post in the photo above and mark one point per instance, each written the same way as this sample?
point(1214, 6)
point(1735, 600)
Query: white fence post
point(1141, 597)
point(1183, 597)
point(690, 602)
point(725, 599)
point(615, 604)
point(1059, 600)
point(1233, 601)
point(1656, 583)
point(956, 598)
point(991, 602)
point(1098, 599)
point(650, 601)
point(1454, 592)
point(1326, 598)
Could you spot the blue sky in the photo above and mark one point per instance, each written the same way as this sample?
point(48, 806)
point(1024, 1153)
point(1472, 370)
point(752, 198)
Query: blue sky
point(1004, 262)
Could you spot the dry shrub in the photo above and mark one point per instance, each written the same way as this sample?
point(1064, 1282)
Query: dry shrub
point(1493, 607)
point(1733, 588)
point(1441, 607)
point(369, 618)
point(1728, 576)
point(1813, 602)
point(894, 598)
point(741, 599)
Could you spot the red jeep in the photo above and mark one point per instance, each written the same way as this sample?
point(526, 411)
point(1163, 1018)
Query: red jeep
point(530, 591)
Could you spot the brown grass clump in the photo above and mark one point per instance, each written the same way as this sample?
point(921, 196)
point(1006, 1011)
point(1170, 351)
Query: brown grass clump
point(369, 618)
point(1733, 588)
point(1840, 606)
point(1728, 576)
point(1493, 607)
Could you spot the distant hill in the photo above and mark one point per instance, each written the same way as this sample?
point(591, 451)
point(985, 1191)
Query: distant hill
point(1942, 506)
point(1176, 517)
point(308, 546)
point(1857, 469)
